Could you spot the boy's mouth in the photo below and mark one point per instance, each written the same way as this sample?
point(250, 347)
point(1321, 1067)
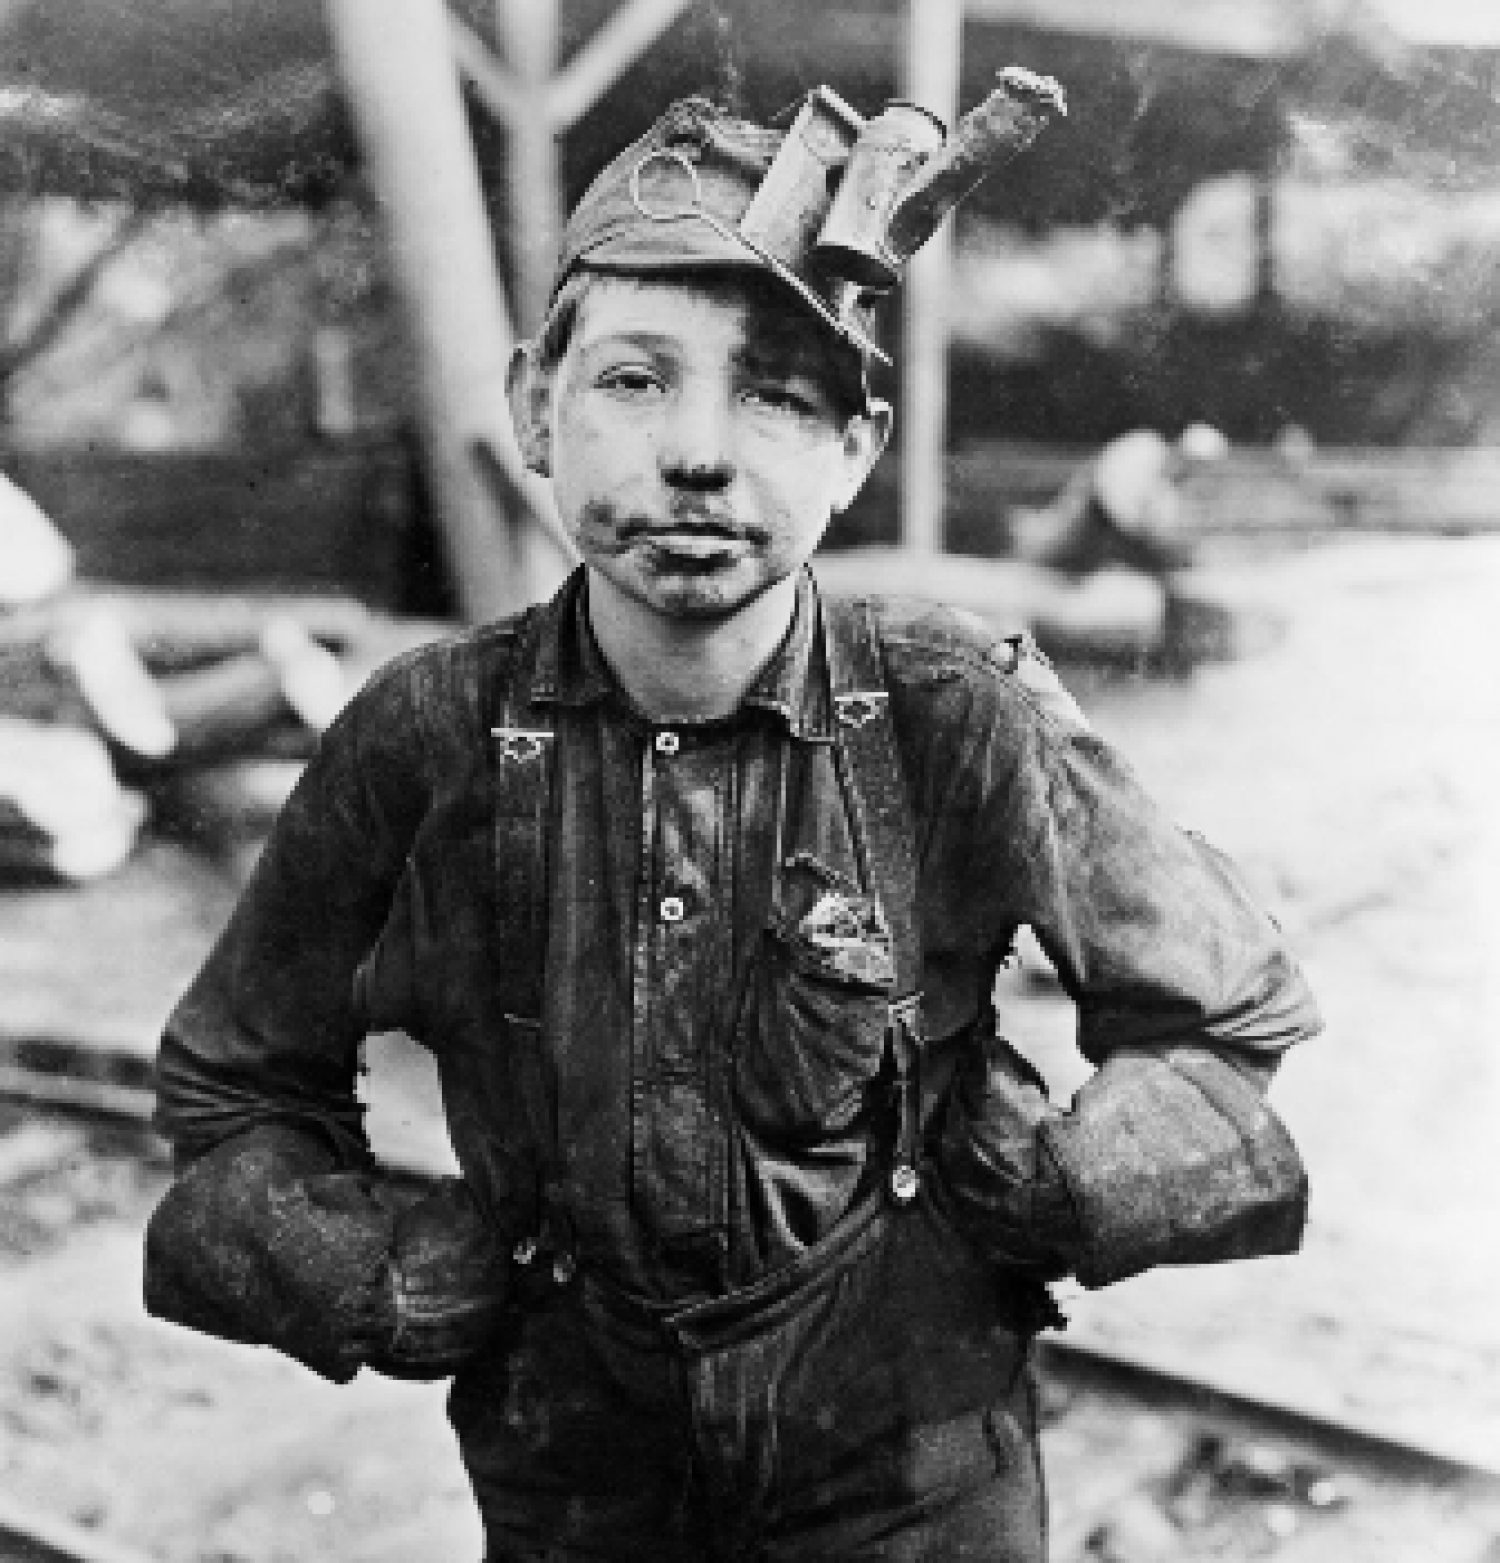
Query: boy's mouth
point(694, 548)
point(686, 533)
point(689, 531)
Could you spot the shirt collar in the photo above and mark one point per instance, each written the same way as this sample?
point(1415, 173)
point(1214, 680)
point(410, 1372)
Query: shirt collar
point(567, 667)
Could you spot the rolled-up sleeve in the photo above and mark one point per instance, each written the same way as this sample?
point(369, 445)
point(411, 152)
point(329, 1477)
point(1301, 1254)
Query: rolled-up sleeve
point(268, 1031)
point(1151, 929)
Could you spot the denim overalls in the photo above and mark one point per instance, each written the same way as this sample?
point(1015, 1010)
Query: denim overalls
point(867, 1394)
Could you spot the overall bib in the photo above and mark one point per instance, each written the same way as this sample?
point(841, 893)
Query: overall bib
point(867, 1398)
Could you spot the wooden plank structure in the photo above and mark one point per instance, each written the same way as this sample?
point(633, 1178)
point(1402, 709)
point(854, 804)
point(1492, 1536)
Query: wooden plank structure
point(139, 518)
point(538, 103)
point(1250, 493)
point(398, 69)
point(244, 112)
point(1452, 492)
point(1253, 29)
point(402, 67)
point(934, 55)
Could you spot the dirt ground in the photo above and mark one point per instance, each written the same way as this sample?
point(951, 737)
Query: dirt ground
point(1349, 764)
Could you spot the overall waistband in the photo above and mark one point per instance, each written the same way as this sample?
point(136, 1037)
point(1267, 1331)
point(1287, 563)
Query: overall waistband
point(719, 1322)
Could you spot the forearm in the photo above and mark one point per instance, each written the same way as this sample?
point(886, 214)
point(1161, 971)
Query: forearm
point(268, 1241)
point(1172, 1156)
point(265, 1240)
point(997, 1170)
point(1167, 1156)
point(202, 1102)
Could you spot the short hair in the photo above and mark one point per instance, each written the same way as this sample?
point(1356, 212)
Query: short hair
point(847, 367)
point(562, 319)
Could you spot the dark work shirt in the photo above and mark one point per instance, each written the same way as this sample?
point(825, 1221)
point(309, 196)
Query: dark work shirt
point(699, 1138)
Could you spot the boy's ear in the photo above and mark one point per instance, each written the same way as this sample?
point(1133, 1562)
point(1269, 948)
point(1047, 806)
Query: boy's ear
point(528, 389)
point(865, 437)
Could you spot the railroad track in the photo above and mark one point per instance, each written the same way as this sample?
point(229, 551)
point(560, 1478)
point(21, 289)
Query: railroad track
point(1257, 1450)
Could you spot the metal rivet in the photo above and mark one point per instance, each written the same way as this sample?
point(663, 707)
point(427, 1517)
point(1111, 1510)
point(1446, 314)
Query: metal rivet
point(858, 709)
point(519, 745)
point(672, 909)
point(904, 1184)
point(667, 743)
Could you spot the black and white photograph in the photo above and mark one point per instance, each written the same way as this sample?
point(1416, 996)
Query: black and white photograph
point(748, 772)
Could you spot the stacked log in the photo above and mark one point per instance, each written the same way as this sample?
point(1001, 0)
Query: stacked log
point(63, 813)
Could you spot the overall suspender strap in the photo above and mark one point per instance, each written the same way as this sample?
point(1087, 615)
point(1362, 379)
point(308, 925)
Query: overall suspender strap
point(522, 748)
point(870, 769)
point(522, 741)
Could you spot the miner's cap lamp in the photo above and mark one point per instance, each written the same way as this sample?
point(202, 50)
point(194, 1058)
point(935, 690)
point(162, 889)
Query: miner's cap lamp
point(833, 207)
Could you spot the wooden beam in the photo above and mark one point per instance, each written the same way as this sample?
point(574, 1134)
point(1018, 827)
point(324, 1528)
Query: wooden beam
point(397, 65)
point(536, 103)
point(934, 53)
point(617, 45)
point(1257, 29)
point(502, 95)
point(579, 85)
point(528, 30)
point(1252, 491)
point(1447, 24)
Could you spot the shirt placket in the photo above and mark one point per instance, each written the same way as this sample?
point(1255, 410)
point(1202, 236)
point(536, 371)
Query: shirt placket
point(678, 1139)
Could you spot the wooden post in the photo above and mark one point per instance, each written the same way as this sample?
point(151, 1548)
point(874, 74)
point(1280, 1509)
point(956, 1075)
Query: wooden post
point(934, 53)
point(599, 63)
point(402, 83)
point(537, 104)
point(1265, 238)
point(528, 34)
point(592, 71)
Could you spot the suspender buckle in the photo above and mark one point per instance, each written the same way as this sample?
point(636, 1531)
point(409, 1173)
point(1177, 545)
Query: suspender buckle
point(520, 745)
point(904, 1025)
point(858, 707)
point(906, 1021)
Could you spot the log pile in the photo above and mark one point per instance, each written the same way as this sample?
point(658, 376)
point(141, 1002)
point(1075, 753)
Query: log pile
point(116, 707)
point(63, 812)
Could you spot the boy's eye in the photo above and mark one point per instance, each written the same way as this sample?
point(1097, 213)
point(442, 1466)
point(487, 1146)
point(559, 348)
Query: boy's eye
point(784, 399)
point(630, 380)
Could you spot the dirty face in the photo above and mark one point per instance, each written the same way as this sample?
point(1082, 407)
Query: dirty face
point(697, 437)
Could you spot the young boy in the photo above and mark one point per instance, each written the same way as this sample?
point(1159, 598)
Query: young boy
point(696, 883)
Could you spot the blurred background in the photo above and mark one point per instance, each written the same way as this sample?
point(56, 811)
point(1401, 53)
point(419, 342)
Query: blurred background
point(1204, 390)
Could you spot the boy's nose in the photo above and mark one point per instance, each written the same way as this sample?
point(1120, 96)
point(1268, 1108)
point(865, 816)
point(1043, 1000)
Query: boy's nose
point(697, 447)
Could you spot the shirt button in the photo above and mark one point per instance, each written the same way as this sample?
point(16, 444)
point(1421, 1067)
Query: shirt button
point(667, 742)
point(672, 909)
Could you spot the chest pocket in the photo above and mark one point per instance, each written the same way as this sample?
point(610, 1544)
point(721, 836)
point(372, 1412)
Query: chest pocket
point(814, 1036)
point(835, 1031)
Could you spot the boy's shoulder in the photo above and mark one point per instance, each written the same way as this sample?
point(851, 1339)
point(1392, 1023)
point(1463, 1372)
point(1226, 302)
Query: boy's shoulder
point(926, 643)
point(443, 680)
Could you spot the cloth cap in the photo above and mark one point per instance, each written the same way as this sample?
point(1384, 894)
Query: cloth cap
point(674, 199)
